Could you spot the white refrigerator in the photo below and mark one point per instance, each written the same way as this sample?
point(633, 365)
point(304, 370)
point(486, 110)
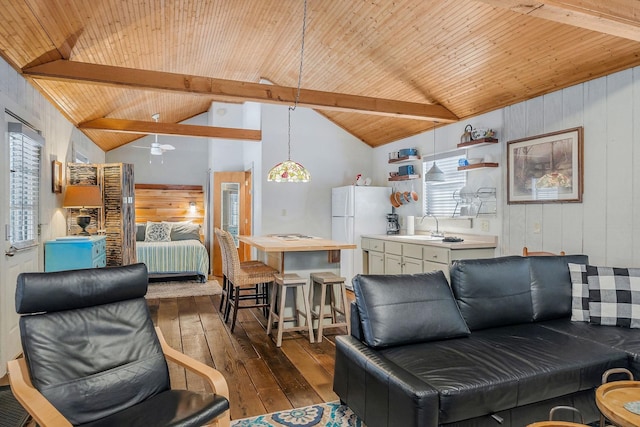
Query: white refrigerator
point(356, 211)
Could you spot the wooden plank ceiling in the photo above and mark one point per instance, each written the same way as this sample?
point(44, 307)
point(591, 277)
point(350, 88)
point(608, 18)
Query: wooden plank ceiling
point(381, 69)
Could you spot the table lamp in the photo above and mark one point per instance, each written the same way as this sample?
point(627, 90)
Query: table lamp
point(82, 197)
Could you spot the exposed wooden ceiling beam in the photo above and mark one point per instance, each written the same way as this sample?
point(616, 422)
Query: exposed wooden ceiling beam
point(141, 127)
point(620, 18)
point(64, 70)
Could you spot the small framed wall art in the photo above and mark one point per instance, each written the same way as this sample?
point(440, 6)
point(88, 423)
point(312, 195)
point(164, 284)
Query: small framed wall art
point(56, 176)
point(546, 168)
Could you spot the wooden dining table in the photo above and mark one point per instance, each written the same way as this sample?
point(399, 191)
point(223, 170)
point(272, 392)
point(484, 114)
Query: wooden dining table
point(298, 252)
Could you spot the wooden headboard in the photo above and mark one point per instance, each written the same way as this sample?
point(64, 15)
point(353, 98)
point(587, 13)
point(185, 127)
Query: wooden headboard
point(160, 202)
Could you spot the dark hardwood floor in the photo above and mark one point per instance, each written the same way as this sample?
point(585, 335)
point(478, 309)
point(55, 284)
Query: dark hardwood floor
point(261, 377)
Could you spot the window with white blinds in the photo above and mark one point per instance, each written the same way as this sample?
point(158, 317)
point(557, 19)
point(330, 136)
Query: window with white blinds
point(25, 146)
point(438, 196)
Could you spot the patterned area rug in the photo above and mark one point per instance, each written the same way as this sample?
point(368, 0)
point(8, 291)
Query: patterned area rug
point(188, 288)
point(331, 414)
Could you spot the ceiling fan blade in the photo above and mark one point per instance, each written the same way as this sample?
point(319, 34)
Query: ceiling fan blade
point(140, 146)
point(167, 147)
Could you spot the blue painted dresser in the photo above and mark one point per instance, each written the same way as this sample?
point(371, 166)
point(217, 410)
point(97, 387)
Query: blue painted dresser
point(74, 252)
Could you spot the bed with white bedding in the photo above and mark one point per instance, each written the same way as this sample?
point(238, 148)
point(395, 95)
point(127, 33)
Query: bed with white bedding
point(181, 257)
point(169, 220)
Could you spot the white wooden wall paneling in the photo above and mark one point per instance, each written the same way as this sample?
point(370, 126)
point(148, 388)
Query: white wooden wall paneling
point(572, 213)
point(603, 225)
point(619, 169)
point(533, 212)
point(594, 235)
point(635, 232)
point(551, 222)
point(514, 218)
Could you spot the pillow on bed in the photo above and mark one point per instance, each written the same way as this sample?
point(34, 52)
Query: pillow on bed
point(157, 232)
point(185, 231)
point(140, 232)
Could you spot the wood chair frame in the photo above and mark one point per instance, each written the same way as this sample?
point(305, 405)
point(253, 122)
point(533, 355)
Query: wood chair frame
point(46, 415)
point(526, 252)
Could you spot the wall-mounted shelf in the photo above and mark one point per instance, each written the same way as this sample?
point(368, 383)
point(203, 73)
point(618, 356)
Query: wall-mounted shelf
point(478, 142)
point(478, 166)
point(404, 159)
point(404, 177)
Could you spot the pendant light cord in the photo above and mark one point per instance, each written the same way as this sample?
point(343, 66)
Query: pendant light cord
point(295, 104)
point(304, 27)
point(435, 124)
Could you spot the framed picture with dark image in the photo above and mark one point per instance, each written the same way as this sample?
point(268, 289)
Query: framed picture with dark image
point(546, 168)
point(56, 176)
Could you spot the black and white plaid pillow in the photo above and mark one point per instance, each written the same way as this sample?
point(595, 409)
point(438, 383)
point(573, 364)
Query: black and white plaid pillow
point(614, 296)
point(579, 293)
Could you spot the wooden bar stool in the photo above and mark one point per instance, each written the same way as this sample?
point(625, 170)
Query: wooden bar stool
point(328, 279)
point(281, 285)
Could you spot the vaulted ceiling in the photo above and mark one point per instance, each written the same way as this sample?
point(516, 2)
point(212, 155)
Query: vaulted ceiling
point(381, 69)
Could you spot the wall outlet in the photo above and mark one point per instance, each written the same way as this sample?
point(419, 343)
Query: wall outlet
point(536, 228)
point(484, 225)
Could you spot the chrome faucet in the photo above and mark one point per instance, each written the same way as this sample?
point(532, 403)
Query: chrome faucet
point(436, 233)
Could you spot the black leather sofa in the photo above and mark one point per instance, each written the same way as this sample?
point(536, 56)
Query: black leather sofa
point(496, 348)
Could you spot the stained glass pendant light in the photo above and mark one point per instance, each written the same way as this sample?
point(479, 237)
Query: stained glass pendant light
point(290, 171)
point(434, 174)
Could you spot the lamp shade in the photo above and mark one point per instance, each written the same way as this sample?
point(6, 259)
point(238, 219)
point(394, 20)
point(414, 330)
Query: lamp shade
point(434, 174)
point(289, 171)
point(82, 196)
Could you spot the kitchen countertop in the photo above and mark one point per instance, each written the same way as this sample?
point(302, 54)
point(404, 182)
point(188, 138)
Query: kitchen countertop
point(470, 241)
point(294, 243)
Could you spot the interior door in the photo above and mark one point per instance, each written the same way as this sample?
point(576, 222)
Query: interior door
point(11, 266)
point(12, 263)
point(231, 206)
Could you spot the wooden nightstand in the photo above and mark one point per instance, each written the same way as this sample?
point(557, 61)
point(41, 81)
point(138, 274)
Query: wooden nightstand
point(74, 252)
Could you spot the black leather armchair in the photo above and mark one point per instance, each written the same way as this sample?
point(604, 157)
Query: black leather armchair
point(93, 358)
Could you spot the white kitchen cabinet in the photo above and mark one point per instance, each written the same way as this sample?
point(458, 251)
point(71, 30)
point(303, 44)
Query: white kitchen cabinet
point(376, 263)
point(411, 266)
point(435, 258)
point(373, 256)
point(471, 254)
point(402, 258)
point(392, 264)
point(373, 244)
point(412, 258)
point(394, 248)
point(396, 264)
point(392, 256)
point(429, 266)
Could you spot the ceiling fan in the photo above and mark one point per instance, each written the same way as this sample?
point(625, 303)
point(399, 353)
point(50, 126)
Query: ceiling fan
point(156, 148)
